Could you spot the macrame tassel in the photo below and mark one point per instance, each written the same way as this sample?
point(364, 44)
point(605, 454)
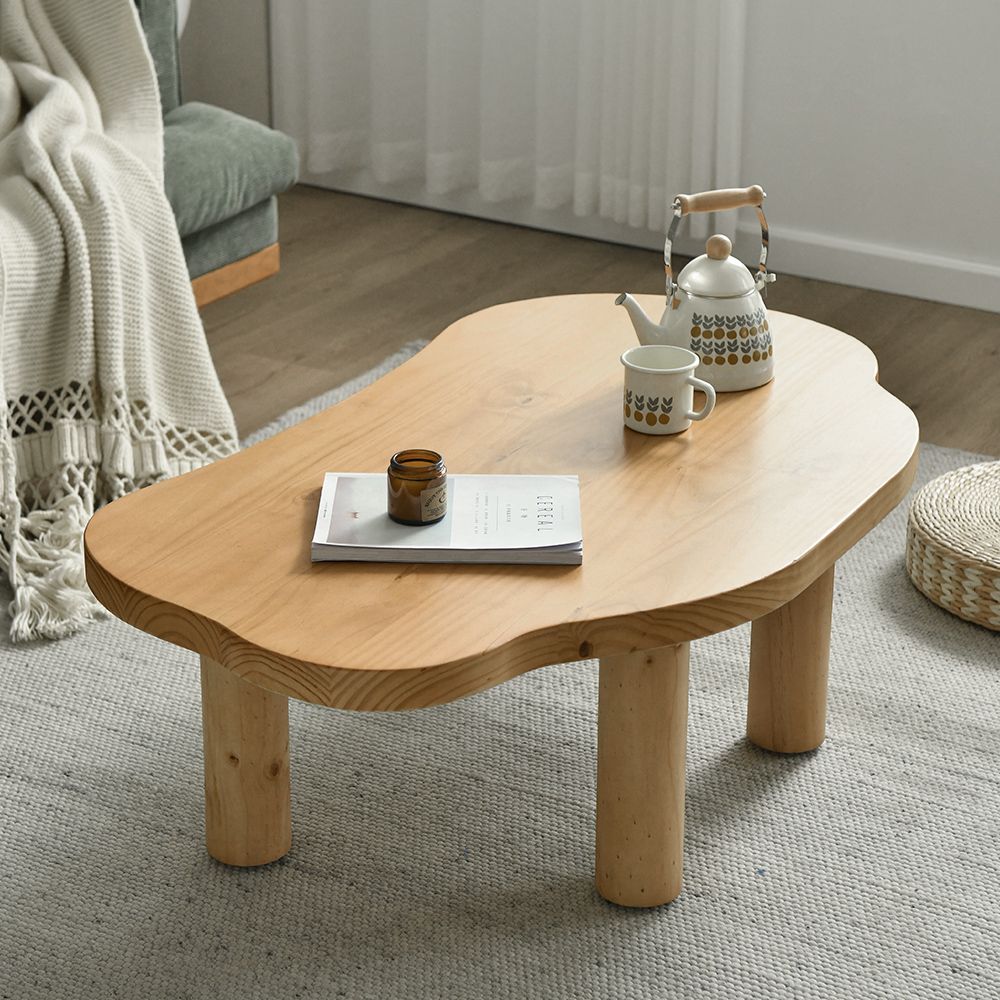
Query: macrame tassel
point(51, 596)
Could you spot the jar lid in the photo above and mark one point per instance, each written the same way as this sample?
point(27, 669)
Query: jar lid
point(716, 274)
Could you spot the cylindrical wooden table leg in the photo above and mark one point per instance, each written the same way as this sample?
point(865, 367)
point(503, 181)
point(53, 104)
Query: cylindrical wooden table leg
point(789, 662)
point(248, 815)
point(641, 743)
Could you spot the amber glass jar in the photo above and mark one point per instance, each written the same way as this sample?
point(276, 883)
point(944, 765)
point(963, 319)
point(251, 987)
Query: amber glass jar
point(418, 487)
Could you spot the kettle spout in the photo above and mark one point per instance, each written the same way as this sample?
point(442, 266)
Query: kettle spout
point(646, 330)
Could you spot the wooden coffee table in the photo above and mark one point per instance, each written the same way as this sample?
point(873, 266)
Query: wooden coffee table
point(739, 519)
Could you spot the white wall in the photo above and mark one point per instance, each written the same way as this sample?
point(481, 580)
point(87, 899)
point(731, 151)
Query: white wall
point(875, 128)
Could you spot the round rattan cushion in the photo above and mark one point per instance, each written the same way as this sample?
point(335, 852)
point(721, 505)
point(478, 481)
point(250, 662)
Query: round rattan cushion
point(953, 543)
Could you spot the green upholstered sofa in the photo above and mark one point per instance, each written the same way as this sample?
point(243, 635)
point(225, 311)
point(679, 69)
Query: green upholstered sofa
point(222, 174)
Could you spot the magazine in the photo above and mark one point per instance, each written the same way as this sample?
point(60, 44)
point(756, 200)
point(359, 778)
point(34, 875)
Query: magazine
point(490, 519)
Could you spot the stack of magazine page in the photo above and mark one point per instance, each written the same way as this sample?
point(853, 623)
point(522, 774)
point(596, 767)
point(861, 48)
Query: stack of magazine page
point(490, 519)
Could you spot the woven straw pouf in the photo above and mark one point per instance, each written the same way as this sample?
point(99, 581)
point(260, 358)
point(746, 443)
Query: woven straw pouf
point(953, 543)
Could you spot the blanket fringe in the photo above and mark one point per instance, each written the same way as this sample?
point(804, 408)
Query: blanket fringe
point(106, 380)
point(51, 596)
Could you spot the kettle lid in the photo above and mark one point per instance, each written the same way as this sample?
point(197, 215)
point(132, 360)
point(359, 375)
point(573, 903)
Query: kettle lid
point(716, 274)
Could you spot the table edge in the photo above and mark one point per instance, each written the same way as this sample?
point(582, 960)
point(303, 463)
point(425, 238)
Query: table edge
point(423, 687)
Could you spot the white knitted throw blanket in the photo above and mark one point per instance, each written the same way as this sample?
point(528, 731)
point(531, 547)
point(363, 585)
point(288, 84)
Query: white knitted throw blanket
point(107, 380)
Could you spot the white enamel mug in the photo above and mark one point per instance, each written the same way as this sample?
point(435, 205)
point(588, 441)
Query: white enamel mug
point(659, 389)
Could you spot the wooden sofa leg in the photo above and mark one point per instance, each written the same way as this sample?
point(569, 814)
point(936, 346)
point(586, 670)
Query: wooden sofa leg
point(224, 281)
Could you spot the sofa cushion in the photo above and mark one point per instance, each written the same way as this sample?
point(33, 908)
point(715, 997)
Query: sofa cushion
point(232, 240)
point(159, 24)
point(218, 164)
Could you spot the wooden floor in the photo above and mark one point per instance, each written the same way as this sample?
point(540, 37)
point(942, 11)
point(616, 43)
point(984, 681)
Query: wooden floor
point(360, 278)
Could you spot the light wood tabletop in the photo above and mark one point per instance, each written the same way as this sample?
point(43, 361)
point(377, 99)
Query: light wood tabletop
point(684, 536)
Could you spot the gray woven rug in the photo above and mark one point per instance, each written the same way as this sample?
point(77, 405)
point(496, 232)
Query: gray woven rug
point(447, 853)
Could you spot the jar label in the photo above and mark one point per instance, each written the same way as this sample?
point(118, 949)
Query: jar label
point(434, 502)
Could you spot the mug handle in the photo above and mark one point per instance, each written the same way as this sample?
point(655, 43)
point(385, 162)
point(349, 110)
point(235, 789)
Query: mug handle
point(709, 391)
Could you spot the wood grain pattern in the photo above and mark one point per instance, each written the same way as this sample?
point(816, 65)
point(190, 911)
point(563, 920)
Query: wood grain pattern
point(684, 536)
point(789, 662)
point(722, 199)
point(248, 808)
point(226, 280)
point(641, 745)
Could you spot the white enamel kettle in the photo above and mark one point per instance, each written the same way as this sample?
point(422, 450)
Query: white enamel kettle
point(715, 309)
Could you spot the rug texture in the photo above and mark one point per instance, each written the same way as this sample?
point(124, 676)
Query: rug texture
point(448, 852)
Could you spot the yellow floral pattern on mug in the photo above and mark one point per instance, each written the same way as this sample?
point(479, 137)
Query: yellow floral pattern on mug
point(650, 410)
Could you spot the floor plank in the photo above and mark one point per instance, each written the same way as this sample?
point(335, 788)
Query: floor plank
point(361, 277)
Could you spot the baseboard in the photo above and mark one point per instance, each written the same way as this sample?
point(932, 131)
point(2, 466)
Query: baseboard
point(894, 269)
point(885, 268)
point(224, 281)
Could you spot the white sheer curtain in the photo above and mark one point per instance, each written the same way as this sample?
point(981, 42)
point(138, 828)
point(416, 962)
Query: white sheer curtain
point(587, 115)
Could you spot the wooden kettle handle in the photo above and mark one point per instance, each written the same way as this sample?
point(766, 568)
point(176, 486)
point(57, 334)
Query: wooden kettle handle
point(717, 201)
